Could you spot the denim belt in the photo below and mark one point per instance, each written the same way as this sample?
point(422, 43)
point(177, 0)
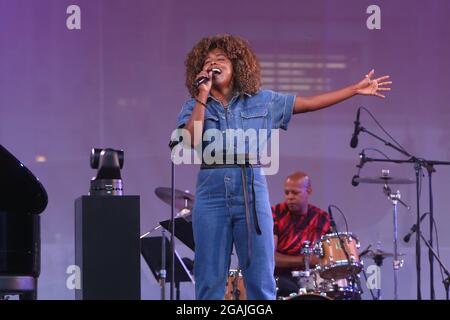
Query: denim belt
point(243, 166)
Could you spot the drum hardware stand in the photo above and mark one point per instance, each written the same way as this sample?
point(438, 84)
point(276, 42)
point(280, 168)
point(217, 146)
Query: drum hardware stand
point(304, 277)
point(378, 259)
point(307, 251)
point(183, 213)
point(371, 292)
point(363, 253)
point(395, 198)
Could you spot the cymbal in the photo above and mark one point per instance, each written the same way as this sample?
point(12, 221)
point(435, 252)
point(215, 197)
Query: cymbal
point(183, 199)
point(384, 180)
point(380, 254)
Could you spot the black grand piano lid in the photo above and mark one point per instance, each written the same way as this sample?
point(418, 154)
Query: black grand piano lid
point(20, 190)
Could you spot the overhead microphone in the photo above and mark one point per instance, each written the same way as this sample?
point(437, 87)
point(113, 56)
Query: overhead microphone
point(413, 228)
point(365, 251)
point(202, 80)
point(362, 157)
point(355, 183)
point(354, 140)
point(333, 227)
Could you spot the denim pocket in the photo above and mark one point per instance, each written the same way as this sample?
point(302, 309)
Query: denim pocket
point(203, 178)
point(254, 117)
point(211, 122)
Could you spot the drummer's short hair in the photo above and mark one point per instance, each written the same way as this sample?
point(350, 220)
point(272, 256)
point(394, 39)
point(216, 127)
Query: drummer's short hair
point(299, 175)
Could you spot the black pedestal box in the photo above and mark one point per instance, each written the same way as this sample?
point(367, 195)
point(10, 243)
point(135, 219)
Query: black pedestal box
point(107, 247)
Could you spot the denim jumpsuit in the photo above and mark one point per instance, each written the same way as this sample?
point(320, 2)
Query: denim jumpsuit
point(219, 218)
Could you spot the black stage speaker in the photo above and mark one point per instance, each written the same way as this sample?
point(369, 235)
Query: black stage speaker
point(107, 247)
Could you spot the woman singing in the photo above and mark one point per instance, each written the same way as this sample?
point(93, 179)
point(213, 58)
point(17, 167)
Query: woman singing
point(223, 77)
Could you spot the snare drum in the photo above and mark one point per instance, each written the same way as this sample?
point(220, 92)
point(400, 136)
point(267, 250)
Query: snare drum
point(334, 263)
point(235, 289)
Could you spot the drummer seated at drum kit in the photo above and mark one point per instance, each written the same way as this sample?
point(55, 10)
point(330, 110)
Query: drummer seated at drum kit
point(298, 225)
point(296, 221)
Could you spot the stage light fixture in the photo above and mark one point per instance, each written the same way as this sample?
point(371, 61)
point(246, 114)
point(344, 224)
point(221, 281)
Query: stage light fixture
point(108, 163)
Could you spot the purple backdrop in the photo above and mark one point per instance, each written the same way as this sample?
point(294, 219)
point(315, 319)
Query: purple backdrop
point(119, 82)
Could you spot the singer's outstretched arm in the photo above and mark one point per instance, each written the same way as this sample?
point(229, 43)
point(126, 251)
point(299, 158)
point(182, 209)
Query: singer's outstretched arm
point(366, 86)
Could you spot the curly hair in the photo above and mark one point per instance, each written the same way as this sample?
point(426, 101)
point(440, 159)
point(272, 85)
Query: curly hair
point(246, 68)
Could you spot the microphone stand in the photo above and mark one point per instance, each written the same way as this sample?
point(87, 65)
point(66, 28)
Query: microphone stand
point(418, 165)
point(172, 231)
point(172, 228)
point(163, 271)
point(430, 170)
point(172, 145)
point(446, 281)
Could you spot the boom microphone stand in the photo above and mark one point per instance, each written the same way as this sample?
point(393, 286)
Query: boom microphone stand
point(446, 281)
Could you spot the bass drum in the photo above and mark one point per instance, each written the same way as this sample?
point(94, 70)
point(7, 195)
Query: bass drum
point(341, 289)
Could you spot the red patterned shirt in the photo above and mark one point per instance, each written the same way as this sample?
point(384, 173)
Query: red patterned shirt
point(292, 229)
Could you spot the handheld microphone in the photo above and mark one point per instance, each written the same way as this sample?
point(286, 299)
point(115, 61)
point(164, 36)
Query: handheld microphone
point(354, 140)
point(413, 229)
point(202, 80)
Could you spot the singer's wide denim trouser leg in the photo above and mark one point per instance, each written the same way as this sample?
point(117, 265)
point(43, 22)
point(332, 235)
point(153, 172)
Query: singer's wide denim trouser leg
point(219, 221)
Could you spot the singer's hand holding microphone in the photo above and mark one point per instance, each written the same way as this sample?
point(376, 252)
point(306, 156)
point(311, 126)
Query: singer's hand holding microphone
point(202, 81)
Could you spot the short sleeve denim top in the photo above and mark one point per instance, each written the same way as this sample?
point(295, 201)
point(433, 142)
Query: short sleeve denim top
point(264, 110)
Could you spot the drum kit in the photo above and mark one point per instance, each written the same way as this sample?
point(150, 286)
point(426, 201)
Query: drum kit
point(337, 276)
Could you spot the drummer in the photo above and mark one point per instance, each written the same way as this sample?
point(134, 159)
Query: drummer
point(295, 221)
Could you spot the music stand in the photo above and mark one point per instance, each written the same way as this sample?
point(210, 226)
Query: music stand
point(183, 231)
point(151, 251)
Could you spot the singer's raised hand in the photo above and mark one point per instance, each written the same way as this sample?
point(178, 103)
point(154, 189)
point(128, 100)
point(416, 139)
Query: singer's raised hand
point(366, 86)
point(373, 87)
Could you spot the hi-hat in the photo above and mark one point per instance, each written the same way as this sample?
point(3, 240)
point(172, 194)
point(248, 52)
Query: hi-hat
point(380, 254)
point(183, 199)
point(384, 180)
